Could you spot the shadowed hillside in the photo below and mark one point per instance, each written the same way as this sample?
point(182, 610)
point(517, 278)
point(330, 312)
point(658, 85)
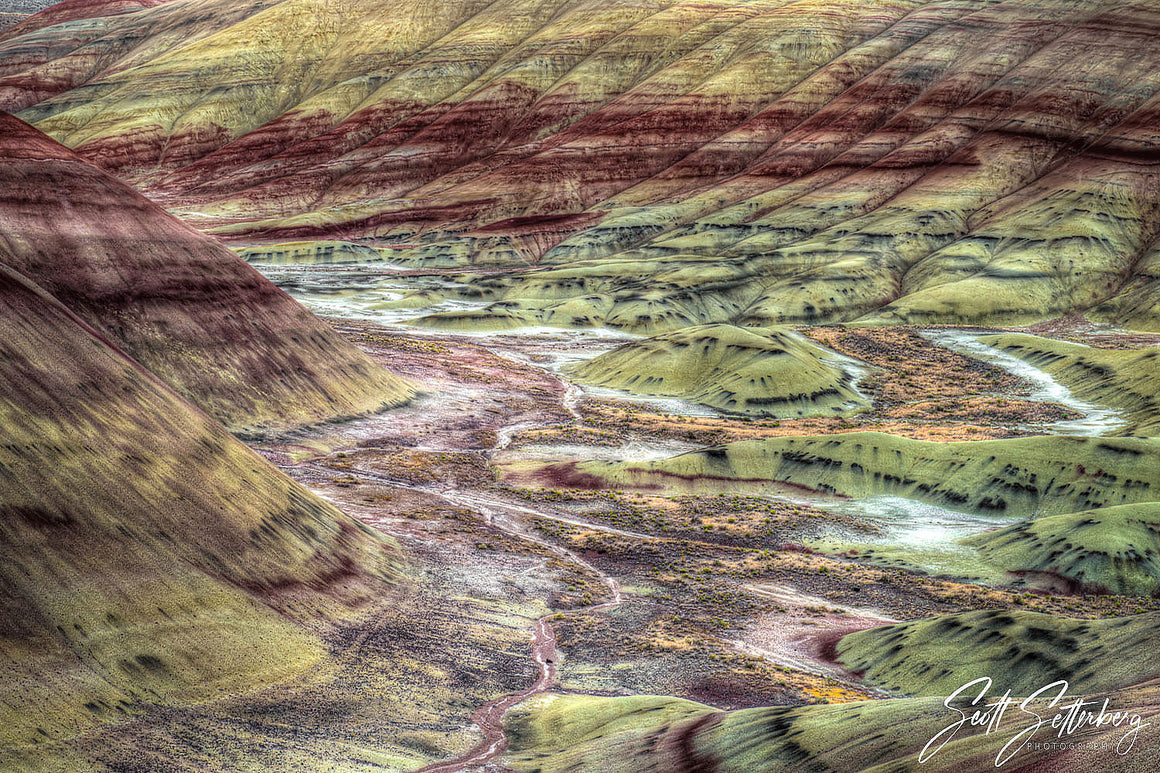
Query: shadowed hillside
point(146, 556)
point(176, 301)
point(756, 163)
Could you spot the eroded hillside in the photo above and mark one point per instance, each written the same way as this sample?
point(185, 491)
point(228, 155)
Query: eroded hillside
point(175, 300)
point(813, 161)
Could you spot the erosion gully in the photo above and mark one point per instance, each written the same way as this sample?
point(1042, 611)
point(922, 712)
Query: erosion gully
point(784, 642)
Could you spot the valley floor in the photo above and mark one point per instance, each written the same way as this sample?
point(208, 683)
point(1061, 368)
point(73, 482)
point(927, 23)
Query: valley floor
point(528, 576)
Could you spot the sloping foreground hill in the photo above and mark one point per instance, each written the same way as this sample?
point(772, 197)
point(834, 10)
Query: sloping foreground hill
point(146, 555)
point(740, 370)
point(1020, 650)
point(553, 734)
point(758, 162)
point(182, 305)
point(1110, 550)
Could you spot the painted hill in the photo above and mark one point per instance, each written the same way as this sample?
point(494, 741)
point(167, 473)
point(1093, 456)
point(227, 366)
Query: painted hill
point(1111, 550)
point(1126, 379)
point(755, 162)
point(1022, 477)
point(1020, 650)
point(738, 370)
point(146, 555)
point(175, 300)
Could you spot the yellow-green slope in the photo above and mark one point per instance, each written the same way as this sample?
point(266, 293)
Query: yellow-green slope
point(1112, 550)
point(1125, 379)
point(146, 556)
point(1019, 477)
point(739, 370)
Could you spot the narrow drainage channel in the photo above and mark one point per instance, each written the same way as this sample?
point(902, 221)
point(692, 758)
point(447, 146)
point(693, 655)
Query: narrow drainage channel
point(1095, 420)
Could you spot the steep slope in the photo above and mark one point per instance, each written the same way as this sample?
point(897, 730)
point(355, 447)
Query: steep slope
point(754, 163)
point(178, 302)
point(146, 555)
point(749, 371)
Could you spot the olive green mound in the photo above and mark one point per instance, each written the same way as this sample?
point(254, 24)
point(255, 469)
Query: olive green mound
point(564, 734)
point(1021, 651)
point(1022, 477)
point(750, 371)
point(554, 732)
point(477, 320)
point(1111, 550)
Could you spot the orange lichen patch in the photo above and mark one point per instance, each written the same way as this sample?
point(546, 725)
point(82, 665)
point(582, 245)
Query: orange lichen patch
point(834, 693)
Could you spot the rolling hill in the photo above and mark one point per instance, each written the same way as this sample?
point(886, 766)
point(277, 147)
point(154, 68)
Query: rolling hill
point(1126, 379)
point(146, 555)
point(1023, 477)
point(560, 733)
point(746, 371)
point(1111, 550)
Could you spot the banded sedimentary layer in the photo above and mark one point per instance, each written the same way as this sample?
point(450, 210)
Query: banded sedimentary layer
point(146, 556)
point(688, 162)
point(175, 300)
